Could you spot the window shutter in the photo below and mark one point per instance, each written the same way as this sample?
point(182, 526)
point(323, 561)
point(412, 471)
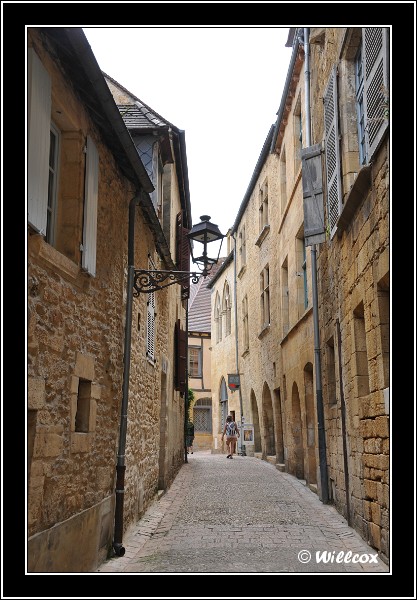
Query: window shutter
point(375, 49)
point(183, 253)
point(331, 141)
point(314, 229)
point(180, 357)
point(150, 327)
point(90, 209)
point(39, 124)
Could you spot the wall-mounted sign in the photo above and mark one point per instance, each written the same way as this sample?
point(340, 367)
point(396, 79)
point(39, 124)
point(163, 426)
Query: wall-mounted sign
point(233, 382)
point(248, 434)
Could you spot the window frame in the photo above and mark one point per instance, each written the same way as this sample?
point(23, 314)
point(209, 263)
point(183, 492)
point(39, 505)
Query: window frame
point(363, 77)
point(360, 108)
point(227, 309)
point(199, 362)
point(242, 245)
point(263, 206)
point(53, 181)
point(265, 297)
point(218, 318)
point(245, 320)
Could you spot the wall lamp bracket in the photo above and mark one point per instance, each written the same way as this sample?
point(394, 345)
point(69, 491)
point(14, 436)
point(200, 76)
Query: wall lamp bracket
point(148, 281)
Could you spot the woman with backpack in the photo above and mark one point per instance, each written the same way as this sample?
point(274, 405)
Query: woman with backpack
point(232, 433)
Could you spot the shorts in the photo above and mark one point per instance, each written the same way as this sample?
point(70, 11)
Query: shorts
point(189, 441)
point(229, 438)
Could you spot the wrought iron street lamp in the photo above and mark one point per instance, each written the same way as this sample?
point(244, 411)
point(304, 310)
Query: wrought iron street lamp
point(148, 281)
point(205, 232)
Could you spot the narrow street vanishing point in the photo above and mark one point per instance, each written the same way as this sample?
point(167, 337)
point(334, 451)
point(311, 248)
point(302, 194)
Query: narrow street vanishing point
point(241, 516)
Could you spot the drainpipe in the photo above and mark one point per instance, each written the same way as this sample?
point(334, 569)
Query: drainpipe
point(121, 467)
point(324, 487)
point(242, 420)
point(343, 422)
point(186, 412)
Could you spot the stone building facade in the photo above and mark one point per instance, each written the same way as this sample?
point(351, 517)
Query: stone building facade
point(291, 362)
point(350, 95)
point(89, 197)
point(223, 354)
point(199, 360)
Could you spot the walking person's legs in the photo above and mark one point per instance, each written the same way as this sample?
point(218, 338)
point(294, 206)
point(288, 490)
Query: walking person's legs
point(233, 445)
point(228, 447)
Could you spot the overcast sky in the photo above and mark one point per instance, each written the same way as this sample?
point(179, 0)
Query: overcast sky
point(221, 85)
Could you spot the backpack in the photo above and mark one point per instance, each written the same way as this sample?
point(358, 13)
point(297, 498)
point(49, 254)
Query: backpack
point(231, 428)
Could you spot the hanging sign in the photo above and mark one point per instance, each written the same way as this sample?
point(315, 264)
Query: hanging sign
point(233, 382)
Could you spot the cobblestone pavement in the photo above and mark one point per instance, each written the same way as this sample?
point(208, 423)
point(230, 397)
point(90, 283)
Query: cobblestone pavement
point(241, 516)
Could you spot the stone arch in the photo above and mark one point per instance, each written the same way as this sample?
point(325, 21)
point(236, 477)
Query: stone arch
point(256, 423)
point(279, 435)
point(226, 310)
point(218, 318)
point(311, 476)
point(268, 421)
point(297, 466)
point(202, 417)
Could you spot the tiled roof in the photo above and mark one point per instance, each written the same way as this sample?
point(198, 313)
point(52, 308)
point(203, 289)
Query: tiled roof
point(199, 307)
point(138, 116)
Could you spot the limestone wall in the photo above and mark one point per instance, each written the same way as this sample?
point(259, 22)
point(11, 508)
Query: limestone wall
point(76, 336)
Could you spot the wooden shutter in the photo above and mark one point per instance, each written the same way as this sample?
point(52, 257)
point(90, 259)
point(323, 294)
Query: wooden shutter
point(150, 327)
point(180, 357)
point(314, 228)
point(90, 209)
point(375, 50)
point(332, 151)
point(39, 124)
point(183, 253)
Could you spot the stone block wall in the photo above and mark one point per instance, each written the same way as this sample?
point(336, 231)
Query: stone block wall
point(76, 335)
point(353, 284)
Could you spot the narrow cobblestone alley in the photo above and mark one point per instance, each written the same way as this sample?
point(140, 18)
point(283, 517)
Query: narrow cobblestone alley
point(241, 516)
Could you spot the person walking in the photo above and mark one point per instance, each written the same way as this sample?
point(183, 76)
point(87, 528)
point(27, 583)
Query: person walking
point(231, 431)
point(190, 437)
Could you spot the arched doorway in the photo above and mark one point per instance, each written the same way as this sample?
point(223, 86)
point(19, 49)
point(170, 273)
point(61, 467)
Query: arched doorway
point(311, 476)
point(255, 421)
point(278, 427)
point(203, 424)
point(297, 467)
point(202, 416)
point(268, 416)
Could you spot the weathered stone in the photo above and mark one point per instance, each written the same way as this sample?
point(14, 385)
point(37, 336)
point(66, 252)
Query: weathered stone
point(36, 393)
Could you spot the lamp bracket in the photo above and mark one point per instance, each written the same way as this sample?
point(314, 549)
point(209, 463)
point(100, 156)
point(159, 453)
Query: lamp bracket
point(151, 281)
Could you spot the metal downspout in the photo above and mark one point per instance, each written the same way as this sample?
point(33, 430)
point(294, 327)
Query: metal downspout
point(324, 487)
point(343, 423)
point(186, 406)
point(242, 420)
point(121, 467)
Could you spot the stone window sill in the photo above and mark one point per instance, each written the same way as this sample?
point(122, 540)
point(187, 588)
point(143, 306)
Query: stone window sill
point(51, 257)
point(357, 193)
point(262, 235)
point(264, 331)
point(242, 272)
